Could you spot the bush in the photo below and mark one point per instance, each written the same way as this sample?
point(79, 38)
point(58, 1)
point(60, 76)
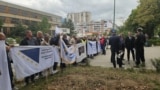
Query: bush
point(156, 64)
point(18, 39)
point(155, 42)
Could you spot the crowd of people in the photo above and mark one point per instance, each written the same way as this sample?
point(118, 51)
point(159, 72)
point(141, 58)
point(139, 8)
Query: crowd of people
point(118, 43)
point(134, 43)
point(43, 39)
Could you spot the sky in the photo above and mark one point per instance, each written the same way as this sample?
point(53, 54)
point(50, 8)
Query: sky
point(100, 9)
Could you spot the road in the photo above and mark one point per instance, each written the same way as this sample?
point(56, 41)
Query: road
point(104, 60)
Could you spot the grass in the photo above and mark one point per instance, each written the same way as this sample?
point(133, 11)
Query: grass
point(97, 78)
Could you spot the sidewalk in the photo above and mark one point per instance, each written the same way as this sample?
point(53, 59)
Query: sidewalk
point(104, 60)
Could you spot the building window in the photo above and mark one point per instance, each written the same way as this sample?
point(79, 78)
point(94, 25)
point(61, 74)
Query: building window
point(2, 8)
point(13, 11)
point(15, 21)
point(25, 13)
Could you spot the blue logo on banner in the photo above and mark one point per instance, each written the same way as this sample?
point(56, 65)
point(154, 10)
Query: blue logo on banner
point(32, 53)
point(90, 44)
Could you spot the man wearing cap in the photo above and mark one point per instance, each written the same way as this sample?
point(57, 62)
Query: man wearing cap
point(139, 46)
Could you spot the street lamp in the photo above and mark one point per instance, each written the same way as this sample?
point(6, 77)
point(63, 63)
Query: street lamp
point(114, 14)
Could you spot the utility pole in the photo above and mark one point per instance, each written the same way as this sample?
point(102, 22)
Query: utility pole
point(114, 14)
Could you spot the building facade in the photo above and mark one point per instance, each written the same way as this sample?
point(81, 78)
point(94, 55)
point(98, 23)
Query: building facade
point(79, 18)
point(93, 27)
point(12, 14)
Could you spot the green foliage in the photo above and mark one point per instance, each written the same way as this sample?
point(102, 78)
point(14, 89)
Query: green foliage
point(156, 64)
point(44, 25)
point(69, 24)
point(18, 31)
point(155, 42)
point(157, 30)
point(18, 39)
point(145, 15)
point(34, 27)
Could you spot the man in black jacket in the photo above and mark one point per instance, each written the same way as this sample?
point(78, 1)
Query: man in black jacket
point(114, 41)
point(28, 41)
point(139, 46)
point(129, 43)
point(55, 41)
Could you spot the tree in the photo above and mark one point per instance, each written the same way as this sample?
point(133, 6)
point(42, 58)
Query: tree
point(68, 24)
point(44, 25)
point(34, 27)
point(19, 31)
point(146, 15)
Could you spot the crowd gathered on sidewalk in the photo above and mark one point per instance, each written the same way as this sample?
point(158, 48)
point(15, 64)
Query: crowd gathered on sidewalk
point(133, 43)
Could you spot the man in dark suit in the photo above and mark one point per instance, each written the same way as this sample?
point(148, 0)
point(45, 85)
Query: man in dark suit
point(114, 41)
point(139, 46)
point(129, 43)
point(28, 41)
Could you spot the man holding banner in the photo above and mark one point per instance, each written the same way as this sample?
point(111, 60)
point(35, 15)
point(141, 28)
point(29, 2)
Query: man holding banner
point(29, 40)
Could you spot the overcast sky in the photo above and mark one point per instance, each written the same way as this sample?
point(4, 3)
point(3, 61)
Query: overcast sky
point(100, 9)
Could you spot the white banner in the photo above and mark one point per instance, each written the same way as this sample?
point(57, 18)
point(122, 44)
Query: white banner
point(56, 52)
point(5, 83)
point(58, 30)
point(68, 55)
point(99, 47)
point(29, 60)
point(81, 52)
point(91, 47)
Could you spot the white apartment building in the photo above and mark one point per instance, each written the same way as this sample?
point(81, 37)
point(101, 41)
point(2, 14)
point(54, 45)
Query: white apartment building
point(80, 17)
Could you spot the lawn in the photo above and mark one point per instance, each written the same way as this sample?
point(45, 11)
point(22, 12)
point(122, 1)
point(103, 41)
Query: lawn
point(97, 78)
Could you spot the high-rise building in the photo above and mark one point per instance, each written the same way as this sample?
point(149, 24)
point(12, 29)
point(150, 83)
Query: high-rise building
point(98, 26)
point(80, 18)
point(12, 14)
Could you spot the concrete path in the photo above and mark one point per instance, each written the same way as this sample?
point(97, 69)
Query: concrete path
point(104, 60)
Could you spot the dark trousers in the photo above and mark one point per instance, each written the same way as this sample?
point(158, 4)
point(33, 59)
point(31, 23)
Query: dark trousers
point(10, 74)
point(113, 59)
point(119, 61)
point(55, 65)
point(128, 53)
point(62, 65)
point(29, 78)
point(103, 49)
point(140, 55)
point(9, 61)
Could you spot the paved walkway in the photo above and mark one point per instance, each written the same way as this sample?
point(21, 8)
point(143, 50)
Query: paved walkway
point(104, 60)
